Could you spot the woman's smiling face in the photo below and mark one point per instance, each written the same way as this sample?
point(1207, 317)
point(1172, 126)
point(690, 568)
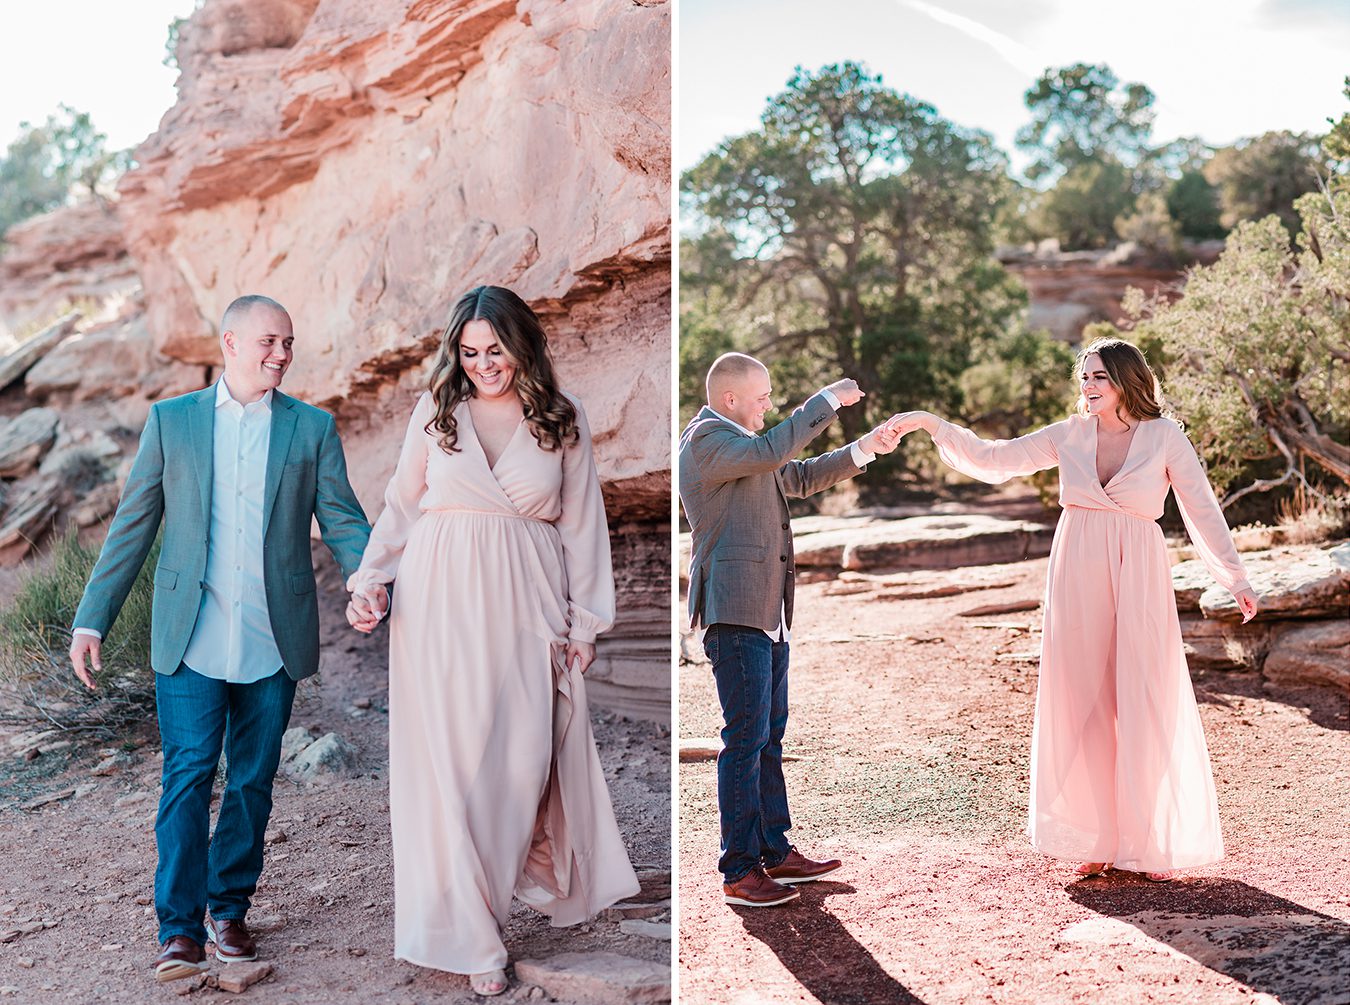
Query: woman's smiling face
point(491, 372)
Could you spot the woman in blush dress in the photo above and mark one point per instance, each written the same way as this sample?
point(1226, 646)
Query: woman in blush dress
point(1119, 768)
point(494, 531)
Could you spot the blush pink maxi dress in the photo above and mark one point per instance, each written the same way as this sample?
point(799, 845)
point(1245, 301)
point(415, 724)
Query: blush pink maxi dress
point(1119, 768)
point(495, 786)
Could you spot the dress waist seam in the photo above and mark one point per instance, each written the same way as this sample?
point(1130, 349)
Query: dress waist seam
point(487, 512)
point(1106, 509)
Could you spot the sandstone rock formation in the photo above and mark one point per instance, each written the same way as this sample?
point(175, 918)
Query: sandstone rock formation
point(365, 163)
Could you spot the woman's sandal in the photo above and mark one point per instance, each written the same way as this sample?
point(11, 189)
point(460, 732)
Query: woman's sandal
point(1089, 869)
point(491, 983)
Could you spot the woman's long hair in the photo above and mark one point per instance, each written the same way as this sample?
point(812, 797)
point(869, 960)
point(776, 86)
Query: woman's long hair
point(1140, 393)
point(551, 417)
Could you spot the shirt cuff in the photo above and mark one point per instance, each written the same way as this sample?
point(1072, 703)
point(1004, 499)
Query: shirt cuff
point(829, 396)
point(87, 631)
point(860, 456)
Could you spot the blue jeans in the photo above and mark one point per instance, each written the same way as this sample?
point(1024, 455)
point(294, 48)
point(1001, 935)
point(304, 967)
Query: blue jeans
point(751, 673)
point(196, 715)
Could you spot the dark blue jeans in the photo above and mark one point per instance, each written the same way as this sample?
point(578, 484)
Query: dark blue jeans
point(751, 672)
point(196, 870)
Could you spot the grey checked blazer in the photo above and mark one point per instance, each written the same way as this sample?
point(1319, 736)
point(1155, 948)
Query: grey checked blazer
point(734, 489)
point(171, 480)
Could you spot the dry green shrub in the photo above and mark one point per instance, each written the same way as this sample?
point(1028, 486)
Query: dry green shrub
point(35, 642)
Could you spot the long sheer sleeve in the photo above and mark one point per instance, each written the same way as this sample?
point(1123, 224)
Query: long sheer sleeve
point(402, 505)
point(996, 461)
point(1201, 513)
point(585, 539)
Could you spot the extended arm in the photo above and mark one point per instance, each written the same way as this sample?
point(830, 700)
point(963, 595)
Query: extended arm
point(991, 461)
point(723, 454)
point(342, 521)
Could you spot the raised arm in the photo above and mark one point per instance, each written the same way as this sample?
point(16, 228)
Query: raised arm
point(1201, 513)
point(402, 506)
point(723, 454)
point(992, 461)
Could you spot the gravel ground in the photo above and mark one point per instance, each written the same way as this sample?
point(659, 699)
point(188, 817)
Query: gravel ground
point(910, 732)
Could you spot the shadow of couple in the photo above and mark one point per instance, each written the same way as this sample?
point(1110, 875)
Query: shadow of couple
point(1270, 944)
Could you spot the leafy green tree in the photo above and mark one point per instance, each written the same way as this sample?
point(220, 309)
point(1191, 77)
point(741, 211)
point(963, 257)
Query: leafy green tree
point(1194, 204)
point(48, 163)
point(1150, 226)
point(1081, 210)
point(1083, 114)
point(1263, 175)
point(1336, 146)
point(850, 234)
point(1257, 353)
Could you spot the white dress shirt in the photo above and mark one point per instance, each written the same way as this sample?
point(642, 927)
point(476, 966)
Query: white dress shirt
point(232, 639)
point(861, 457)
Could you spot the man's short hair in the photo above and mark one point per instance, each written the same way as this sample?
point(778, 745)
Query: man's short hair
point(240, 307)
point(726, 369)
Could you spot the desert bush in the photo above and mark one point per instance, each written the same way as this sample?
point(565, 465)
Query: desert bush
point(35, 641)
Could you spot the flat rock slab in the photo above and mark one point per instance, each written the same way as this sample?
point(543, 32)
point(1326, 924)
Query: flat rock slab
point(647, 929)
point(238, 977)
point(16, 363)
point(1314, 653)
point(699, 748)
point(597, 978)
point(924, 542)
point(1301, 581)
point(24, 439)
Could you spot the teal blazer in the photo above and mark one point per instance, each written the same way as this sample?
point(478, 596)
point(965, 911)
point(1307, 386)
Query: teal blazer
point(170, 480)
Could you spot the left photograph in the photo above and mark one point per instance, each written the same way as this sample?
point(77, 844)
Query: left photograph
point(335, 489)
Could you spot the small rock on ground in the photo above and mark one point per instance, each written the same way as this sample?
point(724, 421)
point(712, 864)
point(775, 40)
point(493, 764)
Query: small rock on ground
point(598, 978)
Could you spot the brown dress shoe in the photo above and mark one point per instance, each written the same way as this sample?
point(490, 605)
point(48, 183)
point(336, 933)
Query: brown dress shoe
point(755, 889)
point(233, 942)
point(797, 868)
point(180, 957)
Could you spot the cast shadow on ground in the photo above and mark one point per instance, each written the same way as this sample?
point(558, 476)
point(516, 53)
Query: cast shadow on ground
point(820, 952)
point(1324, 706)
point(1268, 943)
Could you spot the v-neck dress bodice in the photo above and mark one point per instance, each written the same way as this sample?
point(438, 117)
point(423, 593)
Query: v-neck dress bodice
point(1119, 768)
point(495, 785)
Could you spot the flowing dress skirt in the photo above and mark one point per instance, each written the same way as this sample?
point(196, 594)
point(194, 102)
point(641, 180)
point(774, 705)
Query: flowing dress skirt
point(1119, 767)
point(479, 707)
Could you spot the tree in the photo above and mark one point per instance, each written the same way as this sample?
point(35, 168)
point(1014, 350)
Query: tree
point(1194, 204)
point(48, 163)
point(1081, 210)
point(1150, 226)
point(1257, 353)
point(1082, 114)
point(1263, 175)
point(851, 234)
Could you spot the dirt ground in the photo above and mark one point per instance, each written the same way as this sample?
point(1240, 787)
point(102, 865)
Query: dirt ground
point(324, 906)
point(910, 732)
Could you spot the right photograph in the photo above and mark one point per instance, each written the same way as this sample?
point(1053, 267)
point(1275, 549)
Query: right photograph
point(1014, 482)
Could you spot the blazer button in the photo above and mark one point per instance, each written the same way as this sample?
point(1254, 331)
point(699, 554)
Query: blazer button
point(782, 558)
point(785, 526)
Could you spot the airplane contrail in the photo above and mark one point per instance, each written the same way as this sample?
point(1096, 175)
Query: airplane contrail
point(1019, 56)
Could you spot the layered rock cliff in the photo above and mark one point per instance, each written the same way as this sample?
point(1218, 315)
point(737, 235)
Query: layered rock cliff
point(367, 162)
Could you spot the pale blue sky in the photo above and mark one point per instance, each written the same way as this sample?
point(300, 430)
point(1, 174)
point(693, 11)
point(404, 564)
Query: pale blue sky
point(1220, 69)
point(98, 56)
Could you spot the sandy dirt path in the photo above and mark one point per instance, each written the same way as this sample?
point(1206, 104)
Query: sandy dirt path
point(324, 906)
point(910, 728)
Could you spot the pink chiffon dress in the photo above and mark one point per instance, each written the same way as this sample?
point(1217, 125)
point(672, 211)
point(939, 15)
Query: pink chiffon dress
point(1119, 768)
point(495, 786)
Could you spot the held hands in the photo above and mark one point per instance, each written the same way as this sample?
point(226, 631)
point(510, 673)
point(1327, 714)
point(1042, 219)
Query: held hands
point(846, 391)
point(904, 423)
point(367, 608)
point(580, 651)
point(882, 440)
point(79, 645)
point(1247, 602)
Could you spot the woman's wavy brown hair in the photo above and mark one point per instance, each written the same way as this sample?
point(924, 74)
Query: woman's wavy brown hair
point(1140, 393)
point(551, 417)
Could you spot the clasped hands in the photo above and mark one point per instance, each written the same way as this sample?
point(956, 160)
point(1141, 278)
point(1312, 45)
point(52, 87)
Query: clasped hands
point(367, 608)
point(887, 436)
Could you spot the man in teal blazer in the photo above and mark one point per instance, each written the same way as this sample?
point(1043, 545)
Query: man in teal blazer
point(236, 473)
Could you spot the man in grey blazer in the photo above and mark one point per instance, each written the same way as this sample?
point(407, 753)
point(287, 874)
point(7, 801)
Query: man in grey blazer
point(734, 485)
point(236, 473)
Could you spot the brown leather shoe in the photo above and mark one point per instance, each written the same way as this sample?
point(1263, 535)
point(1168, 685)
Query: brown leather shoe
point(755, 889)
point(797, 868)
point(180, 957)
point(233, 942)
